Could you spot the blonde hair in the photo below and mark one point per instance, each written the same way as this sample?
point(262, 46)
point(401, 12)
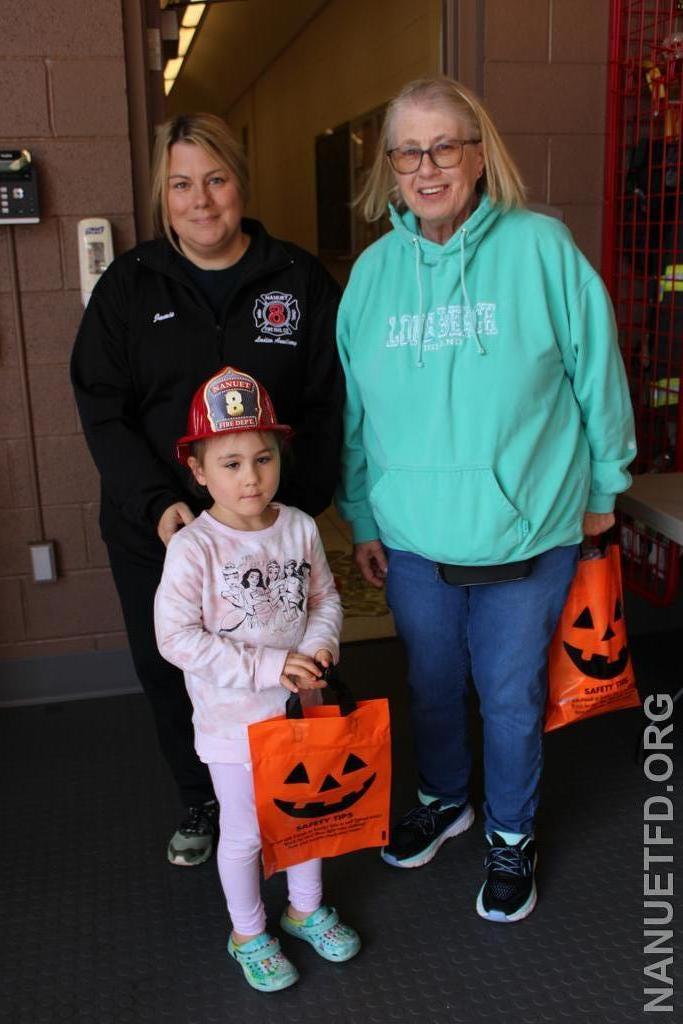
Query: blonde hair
point(501, 180)
point(214, 136)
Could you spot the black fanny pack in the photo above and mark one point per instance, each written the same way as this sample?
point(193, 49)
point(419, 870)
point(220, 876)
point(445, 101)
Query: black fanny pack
point(477, 575)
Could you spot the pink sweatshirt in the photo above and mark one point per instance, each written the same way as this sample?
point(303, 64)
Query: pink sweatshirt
point(230, 606)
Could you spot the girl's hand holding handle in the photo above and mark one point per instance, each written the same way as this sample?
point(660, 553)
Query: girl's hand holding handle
point(324, 657)
point(301, 673)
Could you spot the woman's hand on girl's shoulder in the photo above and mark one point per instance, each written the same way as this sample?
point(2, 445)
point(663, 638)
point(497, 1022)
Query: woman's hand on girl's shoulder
point(173, 519)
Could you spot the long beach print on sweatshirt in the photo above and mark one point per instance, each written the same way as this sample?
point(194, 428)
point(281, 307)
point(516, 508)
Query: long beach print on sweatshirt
point(487, 407)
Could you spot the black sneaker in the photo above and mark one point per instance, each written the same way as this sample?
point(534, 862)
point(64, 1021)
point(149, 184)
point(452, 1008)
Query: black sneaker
point(509, 892)
point(192, 842)
point(416, 838)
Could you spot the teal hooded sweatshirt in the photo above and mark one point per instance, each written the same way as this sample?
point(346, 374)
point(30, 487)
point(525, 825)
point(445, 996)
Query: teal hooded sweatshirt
point(487, 404)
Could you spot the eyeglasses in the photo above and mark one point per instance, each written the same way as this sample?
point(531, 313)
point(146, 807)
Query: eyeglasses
point(408, 159)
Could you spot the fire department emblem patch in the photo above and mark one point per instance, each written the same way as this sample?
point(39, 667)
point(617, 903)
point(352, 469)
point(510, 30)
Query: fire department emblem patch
point(276, 313)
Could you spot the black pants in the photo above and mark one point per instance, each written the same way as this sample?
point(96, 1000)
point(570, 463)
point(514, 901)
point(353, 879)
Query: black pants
point(162, 682)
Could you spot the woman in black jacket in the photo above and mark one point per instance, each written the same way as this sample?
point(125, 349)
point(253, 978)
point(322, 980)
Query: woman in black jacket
point(214, 288)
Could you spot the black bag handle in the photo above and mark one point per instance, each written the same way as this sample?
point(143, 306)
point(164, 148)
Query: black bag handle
point(335, 685)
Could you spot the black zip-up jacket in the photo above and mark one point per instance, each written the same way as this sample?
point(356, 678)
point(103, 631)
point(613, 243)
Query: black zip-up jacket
point(149, 338)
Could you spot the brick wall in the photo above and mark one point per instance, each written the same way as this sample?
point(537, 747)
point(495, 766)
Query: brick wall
point(63, 96)
point(545, 82)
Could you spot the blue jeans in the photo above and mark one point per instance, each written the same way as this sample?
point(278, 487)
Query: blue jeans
point(500, 634)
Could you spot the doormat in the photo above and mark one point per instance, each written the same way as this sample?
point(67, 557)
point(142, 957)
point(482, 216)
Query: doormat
point(358, 598)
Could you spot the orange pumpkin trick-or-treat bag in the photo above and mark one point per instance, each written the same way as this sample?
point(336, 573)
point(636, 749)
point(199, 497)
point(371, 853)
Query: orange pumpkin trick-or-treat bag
point(589, 666)
point(322, 780)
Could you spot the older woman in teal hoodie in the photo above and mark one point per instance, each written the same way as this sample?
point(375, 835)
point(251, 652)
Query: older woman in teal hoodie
point(488, 428)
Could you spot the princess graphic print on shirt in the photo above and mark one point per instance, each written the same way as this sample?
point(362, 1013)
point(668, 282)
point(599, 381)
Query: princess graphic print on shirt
point(264, 596)
point(230, 606)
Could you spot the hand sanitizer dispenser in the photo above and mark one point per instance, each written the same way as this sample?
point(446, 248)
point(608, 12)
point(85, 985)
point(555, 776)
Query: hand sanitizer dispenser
point(95, 252)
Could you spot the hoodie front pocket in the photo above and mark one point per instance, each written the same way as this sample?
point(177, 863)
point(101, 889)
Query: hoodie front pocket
point(460, 515)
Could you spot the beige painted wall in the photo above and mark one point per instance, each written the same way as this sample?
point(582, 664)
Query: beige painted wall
point(62, 75)
point(349, 59)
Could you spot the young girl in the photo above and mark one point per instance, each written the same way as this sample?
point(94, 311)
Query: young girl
point(243, 675)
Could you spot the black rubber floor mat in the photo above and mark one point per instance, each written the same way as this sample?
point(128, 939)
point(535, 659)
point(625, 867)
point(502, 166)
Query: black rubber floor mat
point(97, 928)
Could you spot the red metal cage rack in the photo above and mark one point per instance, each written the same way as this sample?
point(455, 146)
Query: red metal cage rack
point(642, 260)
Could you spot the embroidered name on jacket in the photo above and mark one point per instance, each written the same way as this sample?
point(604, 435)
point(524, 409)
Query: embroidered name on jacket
point(276, 314)
point(443, 326)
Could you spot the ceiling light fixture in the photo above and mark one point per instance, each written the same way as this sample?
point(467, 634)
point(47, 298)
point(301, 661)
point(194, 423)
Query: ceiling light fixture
point(192, 13)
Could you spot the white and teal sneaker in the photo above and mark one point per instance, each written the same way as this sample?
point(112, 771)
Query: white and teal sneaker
point(418, 835)
point(509, 892)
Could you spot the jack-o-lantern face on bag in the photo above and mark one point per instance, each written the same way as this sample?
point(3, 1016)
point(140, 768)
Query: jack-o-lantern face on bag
point(598, 648)
point(332, 795)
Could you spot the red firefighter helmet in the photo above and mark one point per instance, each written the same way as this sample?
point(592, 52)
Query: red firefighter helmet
point(230, 402)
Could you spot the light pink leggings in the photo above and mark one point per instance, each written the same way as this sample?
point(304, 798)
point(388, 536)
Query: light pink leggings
point(239, 850)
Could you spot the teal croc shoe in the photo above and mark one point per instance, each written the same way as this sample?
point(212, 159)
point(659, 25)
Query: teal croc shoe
point(331, 939)
point(265, 966)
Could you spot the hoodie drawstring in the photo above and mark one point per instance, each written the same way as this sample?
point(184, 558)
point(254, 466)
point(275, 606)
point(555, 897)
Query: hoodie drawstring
point(471, 312)
point(420, 319)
